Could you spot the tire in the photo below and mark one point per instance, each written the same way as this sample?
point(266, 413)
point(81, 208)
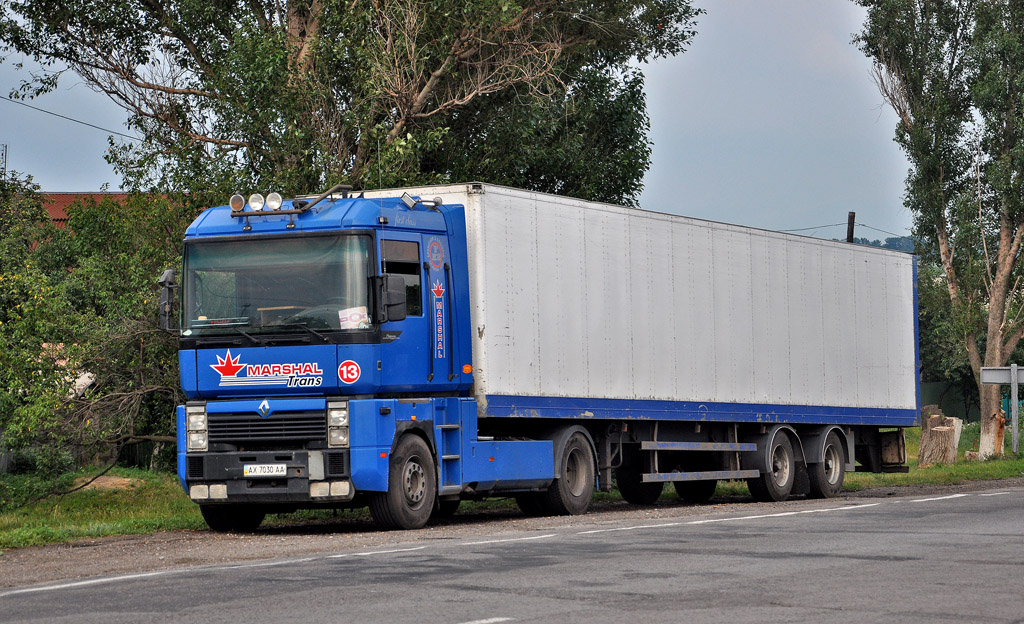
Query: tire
point(629, 479)
point(696, 492)
point(778, 471)
point(570, 494)
point(531, 504)
point(232, 518)
point(412, 487)
point(826, 477)
point(447, 508)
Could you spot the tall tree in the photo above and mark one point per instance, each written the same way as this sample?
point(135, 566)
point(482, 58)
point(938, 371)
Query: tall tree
point(298, 93)
point(953, 70)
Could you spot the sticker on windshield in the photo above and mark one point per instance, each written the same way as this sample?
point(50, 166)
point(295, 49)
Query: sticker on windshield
point(354, 318)
point(233, 372)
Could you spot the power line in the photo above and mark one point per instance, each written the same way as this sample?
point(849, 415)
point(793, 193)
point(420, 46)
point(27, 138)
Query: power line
point(77, 121)
point(882, 231)
point(818, 227)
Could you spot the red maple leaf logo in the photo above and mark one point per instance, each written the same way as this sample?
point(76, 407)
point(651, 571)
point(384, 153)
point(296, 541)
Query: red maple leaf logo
point(228, 366)
point(438, 290)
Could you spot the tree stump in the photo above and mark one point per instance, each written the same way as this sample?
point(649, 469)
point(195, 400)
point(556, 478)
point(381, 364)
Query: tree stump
point(940, 437)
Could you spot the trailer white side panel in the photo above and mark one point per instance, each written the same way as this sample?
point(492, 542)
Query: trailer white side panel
point(582, 299)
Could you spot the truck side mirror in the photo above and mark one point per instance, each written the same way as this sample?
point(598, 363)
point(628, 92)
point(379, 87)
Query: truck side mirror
point(393, 303)
point(168, 283)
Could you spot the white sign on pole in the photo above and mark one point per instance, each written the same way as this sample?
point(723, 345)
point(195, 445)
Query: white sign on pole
point(1001, 376)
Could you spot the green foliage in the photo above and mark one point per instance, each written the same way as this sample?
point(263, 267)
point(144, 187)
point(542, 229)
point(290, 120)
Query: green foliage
point(953, 70)
point(84, 303)
point(296, 96)
point(149, 502)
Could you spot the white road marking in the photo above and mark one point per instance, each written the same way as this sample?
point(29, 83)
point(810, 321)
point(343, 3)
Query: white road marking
point(265, 565)
point(512, 539)
point(785, 513)
point(376, 552)
point(925, 500)
point(631, 528)
point(109, 579)
point(489, 621)
point(994, 494)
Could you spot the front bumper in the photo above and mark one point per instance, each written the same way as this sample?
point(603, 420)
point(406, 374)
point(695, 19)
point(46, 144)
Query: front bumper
point(310, 477)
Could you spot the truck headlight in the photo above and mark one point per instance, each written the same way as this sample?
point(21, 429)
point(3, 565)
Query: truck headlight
point(338, 436)
point(197, 440)
point(337, 424)
point(195, 423)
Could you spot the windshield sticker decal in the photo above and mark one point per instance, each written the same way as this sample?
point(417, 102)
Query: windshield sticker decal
point(292, 375)
point(436, 253)
point(438, 291)
point(354, 318)
point(348, 372)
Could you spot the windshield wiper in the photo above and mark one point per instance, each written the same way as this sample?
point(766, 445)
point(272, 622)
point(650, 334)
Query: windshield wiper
point(302, 326)
point(228, 339)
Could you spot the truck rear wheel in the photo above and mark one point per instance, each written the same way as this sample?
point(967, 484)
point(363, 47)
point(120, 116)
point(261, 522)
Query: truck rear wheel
point(778, 471)
point(826, 477)
point(696, 492)
point(412, 487)
point(232, 518)
point(570, 494)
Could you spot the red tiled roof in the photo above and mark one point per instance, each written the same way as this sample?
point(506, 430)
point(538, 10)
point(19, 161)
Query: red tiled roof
point(57, 203)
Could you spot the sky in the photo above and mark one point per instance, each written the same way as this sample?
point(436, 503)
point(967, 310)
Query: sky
point(770, 119)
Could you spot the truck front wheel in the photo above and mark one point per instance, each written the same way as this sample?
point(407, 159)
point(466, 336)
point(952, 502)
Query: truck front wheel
point(412, 486)
point(570, 494)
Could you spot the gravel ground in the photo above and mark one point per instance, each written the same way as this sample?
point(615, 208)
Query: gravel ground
point(176, 549)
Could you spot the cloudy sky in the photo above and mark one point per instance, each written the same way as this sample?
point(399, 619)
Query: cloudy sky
point(770, 119)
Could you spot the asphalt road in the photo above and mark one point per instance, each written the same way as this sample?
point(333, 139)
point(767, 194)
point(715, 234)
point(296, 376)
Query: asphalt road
point(932, 558)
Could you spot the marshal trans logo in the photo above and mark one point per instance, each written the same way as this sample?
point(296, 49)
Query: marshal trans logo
point(298, 375)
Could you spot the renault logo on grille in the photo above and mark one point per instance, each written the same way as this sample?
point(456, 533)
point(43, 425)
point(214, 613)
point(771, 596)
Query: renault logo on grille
point(264, 409)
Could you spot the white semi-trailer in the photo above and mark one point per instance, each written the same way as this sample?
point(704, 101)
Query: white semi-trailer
point(525, 344)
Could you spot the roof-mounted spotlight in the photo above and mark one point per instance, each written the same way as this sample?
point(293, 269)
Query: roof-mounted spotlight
point(237, 202)
point(256, 202)
point(274, 201)
point(411, 202)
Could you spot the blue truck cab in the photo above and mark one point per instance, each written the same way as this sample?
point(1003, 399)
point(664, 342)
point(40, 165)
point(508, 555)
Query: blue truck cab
point(325, 354)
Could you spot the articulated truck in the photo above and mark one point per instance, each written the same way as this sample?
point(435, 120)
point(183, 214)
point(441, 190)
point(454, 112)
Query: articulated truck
point(406, 350)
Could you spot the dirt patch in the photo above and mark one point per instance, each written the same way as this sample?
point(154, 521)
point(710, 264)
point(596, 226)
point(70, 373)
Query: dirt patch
point(107, 482)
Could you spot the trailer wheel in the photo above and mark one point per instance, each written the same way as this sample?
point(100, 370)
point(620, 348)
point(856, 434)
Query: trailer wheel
point(412, 486)
point(570, 494)
point(827, 476)
point(232, 518)
point(696, 492)
point(778, 471)
point(631, 484)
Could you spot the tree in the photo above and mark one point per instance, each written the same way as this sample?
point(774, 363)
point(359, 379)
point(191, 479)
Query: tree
point(301, 93)
point(953, 70)
point(83, 300)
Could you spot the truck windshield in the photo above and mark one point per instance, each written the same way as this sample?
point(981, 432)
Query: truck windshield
point(274, 285)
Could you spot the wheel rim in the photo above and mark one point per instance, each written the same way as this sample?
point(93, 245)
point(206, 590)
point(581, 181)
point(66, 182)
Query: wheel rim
point(575, 472)
point(832, 464)
point(415, 479)
point(780, 465)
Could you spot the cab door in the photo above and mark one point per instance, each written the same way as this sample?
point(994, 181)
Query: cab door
point(406, 352)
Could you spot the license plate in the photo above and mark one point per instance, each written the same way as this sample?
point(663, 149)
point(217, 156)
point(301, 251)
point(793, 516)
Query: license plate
point(265, 470)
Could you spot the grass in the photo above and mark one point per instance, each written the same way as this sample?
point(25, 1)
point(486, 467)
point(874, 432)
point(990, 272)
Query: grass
point(155, 502)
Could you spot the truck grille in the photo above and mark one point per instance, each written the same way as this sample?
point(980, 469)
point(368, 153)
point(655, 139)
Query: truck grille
point(282, 426)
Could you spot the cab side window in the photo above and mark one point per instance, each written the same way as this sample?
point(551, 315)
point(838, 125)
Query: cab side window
point(403, 258)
